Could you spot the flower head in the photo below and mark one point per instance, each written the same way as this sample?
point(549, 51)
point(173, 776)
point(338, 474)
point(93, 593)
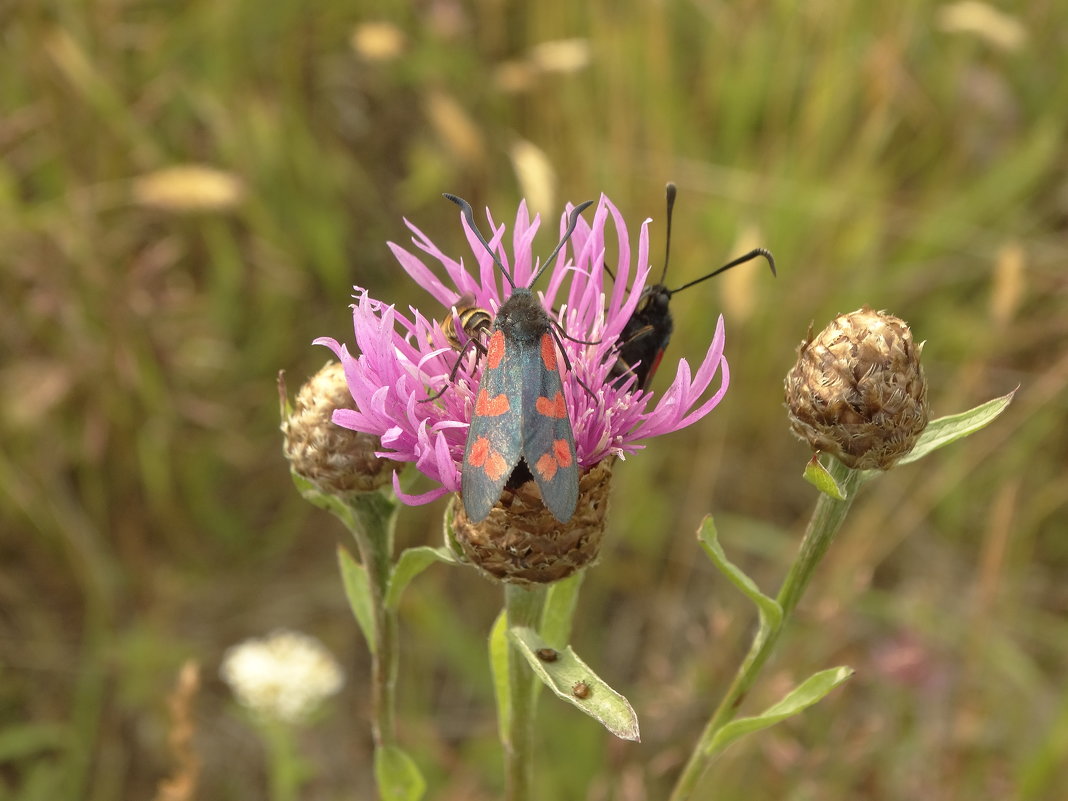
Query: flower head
point(858, 391)
point(402, 359)
point(282, 677)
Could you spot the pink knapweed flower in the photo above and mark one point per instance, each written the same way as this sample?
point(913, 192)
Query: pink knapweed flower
point(402, 359)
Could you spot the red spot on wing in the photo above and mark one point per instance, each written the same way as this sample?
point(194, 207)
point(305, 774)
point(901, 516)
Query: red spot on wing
point(564, 454)
point(548, 352)
point(546, 466)
point(495, 350)
point(552, 408)
point(484, 456)
point(496, 467)
point(560, 457)
point(479, 451)
point(486, 406)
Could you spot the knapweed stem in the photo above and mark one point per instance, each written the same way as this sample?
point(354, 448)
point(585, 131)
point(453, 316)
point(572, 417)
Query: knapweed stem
point(822, 527)
point(523, 607)
point(372, 520)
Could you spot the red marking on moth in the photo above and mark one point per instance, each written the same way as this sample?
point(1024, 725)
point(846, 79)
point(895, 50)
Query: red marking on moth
point(486, 406)
point(552, 408)
point(656, 363)
point(495, 350)
point(491, 461)
point(548, 352)
point(559, 458)
point(562, 449)
point(546, 467)
point(496, 467)
point(479, 451)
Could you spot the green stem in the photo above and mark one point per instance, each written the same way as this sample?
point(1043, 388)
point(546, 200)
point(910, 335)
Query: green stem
point(523, 607)
point(285, 771)
point(372, 521)
point(822, 527)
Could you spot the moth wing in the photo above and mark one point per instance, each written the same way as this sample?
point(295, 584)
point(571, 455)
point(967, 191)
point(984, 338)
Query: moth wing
point(548, 439)
point(494, 439)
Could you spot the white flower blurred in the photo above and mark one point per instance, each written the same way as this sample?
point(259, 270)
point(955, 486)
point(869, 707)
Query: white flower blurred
point(282, 677)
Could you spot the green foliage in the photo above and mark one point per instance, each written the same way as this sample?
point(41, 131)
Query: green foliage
point(572, 680)
point(884, 156)
point(358, 592)
point(811, 690)
point(397, 776)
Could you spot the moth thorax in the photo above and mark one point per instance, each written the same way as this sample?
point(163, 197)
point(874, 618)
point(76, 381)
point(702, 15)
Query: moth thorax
point(656, 302)
point(522, 317)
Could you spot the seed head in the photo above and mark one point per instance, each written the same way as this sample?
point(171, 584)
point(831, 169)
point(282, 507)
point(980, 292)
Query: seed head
point(339, 461)
point(858, 391)
point(520, 542)
point(283, 677)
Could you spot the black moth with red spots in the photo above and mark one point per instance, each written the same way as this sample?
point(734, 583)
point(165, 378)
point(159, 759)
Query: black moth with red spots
point(646, 335)
point(520, 413)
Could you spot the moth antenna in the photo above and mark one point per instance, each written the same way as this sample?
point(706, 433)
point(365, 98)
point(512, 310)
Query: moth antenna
point(567, 235)
point(469, 215)
point(740, 260)
point(669, 193)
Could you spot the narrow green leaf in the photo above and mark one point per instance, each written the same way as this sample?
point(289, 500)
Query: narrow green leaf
point(358, 592)
point(769, 609)
point(797, 700)
point(411, 563)
point(313, 495)
point(559, 609)
point(819, 477)
point(498, 654)
point(397, 775)
point(451, 543)
point(573, 681)
point(945, 430)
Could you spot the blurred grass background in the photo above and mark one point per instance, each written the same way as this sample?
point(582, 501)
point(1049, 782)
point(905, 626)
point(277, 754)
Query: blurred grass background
point(188, 192)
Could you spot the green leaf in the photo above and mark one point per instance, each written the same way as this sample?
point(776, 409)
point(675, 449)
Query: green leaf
point(945, 430)
point(397, 775)
point(451, 543)
point(358, 591)
point(573, 681)
point(559, 610)
point(411, 563)
point(498, 654)
point(769, 609)
point(800, 698)
point(819, 477)
point(313, 495)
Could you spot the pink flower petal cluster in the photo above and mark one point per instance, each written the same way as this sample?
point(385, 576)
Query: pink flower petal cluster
point(402, 359)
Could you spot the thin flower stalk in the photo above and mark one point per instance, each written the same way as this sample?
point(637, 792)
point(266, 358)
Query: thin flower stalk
point(826, 520)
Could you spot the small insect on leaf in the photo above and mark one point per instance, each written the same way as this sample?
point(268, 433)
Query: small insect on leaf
point(580, 689)
point(646, 334)
point(520, 412)
point(547, 654)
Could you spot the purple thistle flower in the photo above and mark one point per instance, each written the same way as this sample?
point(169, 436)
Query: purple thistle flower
point(401, 360)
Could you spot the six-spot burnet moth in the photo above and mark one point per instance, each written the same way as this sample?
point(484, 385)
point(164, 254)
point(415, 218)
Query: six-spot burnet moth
point(520, 412)
point(646, 334)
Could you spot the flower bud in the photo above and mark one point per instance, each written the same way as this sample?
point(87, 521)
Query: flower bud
point(520, 542)
point(858, 391)
point(337, 460)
